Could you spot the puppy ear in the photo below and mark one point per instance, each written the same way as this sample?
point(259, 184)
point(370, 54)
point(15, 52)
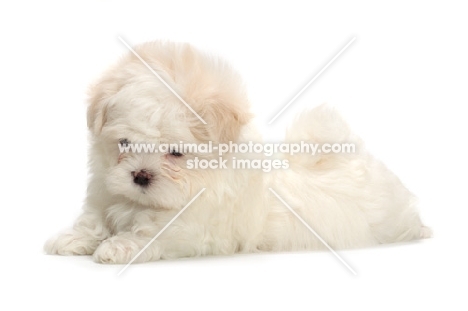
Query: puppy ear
point(97, 113)
point(224, 120)
point(99, 97)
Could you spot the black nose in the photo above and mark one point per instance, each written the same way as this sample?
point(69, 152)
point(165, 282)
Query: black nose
point(142, 178)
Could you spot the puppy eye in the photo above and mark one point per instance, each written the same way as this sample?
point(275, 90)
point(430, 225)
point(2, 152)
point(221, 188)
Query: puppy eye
point(176, 153)
point(124, 142)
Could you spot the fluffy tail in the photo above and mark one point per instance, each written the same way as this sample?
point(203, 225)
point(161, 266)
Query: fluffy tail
point(324, 127)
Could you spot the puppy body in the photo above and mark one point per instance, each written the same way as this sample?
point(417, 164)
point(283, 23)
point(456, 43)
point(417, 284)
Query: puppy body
point(350, 200)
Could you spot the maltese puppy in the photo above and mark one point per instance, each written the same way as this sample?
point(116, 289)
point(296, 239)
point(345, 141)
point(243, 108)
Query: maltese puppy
point(350, 200)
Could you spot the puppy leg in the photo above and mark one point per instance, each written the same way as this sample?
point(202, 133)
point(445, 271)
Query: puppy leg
point(83, 239)
point(180, 239)
point(122, 248)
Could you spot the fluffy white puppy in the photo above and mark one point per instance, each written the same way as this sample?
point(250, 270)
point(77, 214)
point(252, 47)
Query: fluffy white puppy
point(350, 200)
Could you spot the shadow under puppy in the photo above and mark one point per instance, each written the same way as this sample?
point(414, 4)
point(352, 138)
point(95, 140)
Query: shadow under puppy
point(350, 200)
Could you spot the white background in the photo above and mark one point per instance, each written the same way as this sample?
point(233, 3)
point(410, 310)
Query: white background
point(402, 85)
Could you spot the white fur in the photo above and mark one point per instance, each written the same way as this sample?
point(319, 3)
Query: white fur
point(351, 200)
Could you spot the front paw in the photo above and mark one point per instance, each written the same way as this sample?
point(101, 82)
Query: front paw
point(71, 243)
point(121, 250)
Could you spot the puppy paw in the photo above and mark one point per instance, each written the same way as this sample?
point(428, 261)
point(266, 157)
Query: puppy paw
point(425, 232)
point(71, 243)
point(119, 250)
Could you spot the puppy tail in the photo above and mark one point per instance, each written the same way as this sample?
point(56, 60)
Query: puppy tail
point(325, 131)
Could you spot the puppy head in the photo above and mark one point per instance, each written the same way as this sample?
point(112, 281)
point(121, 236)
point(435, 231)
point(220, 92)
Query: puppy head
point(129, 104)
